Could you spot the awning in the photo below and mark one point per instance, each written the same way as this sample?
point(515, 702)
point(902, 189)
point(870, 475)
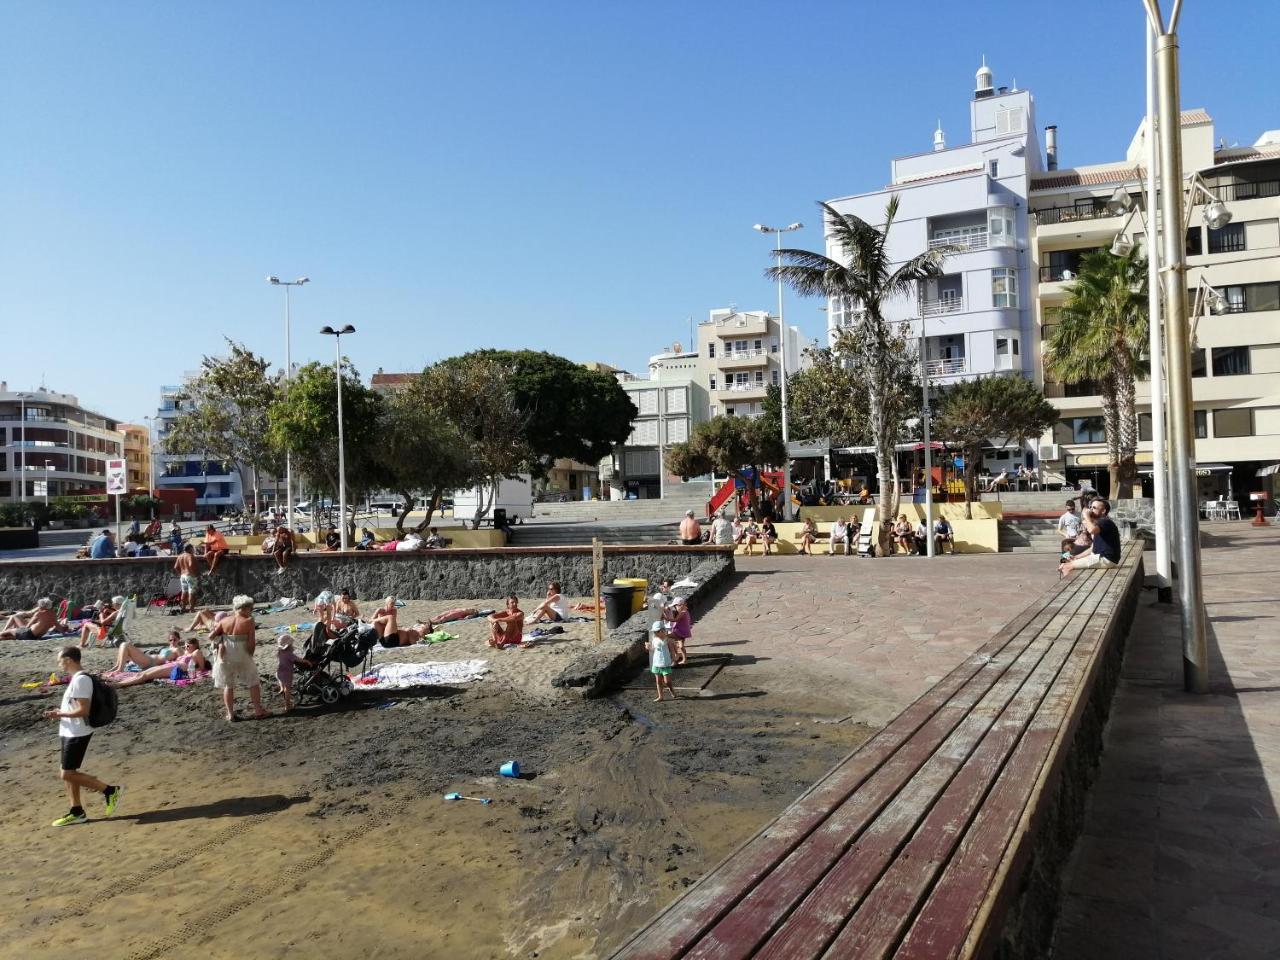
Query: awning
point(1268, 471)
point(1202, 469)
point(916, 446)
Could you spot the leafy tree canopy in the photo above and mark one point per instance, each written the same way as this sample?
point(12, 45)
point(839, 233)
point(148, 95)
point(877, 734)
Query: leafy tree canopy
point(571, 411)
point(727, 444)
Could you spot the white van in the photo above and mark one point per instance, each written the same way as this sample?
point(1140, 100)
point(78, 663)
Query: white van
point(515, 497)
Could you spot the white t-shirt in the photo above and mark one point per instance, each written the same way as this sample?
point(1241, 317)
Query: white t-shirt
point(1069, 524)
point(559, 608)
point(80, 688)
point(722, 531)
point(921, 531)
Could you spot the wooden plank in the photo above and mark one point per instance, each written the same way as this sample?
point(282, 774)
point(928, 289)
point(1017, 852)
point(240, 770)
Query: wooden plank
point(880, 920)
point(808, 930)
point(950, 924)
point(683, 922)
point(775, 895)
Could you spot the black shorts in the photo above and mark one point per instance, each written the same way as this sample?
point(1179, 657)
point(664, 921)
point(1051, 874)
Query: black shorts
point(73, 751)
point(26, 634)
point(692, 543)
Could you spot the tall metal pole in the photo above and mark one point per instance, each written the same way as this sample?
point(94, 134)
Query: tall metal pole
point(288, 376)
point(662, 469)
point(928, 449)
point(22, 450)
point(342, 454)
point(1183, 513)
point(782, 359)
point(1159, 461)
point(47, 464)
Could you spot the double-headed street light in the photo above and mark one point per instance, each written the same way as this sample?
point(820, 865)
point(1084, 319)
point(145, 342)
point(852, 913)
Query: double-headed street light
point(342, 454)
point(288, 375)
point(782, 359)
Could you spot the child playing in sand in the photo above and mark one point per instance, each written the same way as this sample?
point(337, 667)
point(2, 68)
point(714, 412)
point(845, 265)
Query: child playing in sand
point(660, 659)
point(285, 660)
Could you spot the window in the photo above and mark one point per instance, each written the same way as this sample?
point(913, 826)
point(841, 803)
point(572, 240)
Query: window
point(712, 379)
point(993, 168)
point(759, 345)
point(1000, 226)
point(759, 377)
point(1262, 296)
point(1229, 239)
point(1004, 287)
point(711, 349)
point(728, 411)
point(1201, 424)
point(1080, 430)
point(1197, 363)
point(1009, 120)
point(1230, 361)
point(773, 347)
point(1233, 423)
point(775, 378)
point(1144, 426)
point(1195, 246)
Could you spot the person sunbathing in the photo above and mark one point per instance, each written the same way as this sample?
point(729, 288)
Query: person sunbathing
point(205, 619)
point(127, 653)
point(345, 607)
point(506, 628)
point(31, 624)
point(107, 615)
point(394, 635)
point(552, 608)
point(187, 664)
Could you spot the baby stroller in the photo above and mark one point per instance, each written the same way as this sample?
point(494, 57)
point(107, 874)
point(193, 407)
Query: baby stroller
point(330, 660)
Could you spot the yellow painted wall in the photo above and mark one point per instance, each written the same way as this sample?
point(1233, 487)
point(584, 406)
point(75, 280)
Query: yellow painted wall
point(980, 535)
point(988, 509)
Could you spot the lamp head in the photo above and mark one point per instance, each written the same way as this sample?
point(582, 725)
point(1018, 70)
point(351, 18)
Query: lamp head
point(796, 226)
point(1216, 215)
point(329, 330)
point(1218, 304)
point(1121, 246)
point(760, 227)
point(301, 280)
point(1120, 202)
point(275, 280)
point(347, 329)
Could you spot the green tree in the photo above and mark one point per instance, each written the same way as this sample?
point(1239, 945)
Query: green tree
point(423, 452)
point(1101, 335)
point(973, 413)
point(306, 424)
point(863, 282)
point(225, 417)
point(570, 411)
point(474, 396)
point(727, 444)
point(827, 399)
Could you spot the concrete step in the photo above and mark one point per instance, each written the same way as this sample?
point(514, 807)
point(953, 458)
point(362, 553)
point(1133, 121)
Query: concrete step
point(581, 534)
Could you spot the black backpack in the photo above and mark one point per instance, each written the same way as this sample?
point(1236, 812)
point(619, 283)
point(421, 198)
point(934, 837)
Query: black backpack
point(104, 702)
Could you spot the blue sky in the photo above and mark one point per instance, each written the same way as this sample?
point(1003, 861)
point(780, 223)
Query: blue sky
point(578, 177)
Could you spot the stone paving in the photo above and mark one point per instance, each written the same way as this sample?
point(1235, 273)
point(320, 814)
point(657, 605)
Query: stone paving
point(884, 629)
point(1180, 856)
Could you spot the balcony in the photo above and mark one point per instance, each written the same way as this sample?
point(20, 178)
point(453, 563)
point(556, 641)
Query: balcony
point(740, 359)
point(1094, 209)
point(941, 306)
point(972, 241)
point(950, 367)
point(742, 392)
point(1058, 274)
point(740, 325)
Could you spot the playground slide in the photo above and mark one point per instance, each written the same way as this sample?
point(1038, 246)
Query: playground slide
point(722, 496)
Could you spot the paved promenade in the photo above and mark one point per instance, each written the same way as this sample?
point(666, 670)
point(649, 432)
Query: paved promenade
point(1181, 852)
point(885, 630)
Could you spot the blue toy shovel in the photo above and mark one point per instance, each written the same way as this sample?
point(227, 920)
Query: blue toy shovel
point(458, 796)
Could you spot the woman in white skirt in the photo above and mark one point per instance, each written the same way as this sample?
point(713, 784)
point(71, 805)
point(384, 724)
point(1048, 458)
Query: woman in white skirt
point(234, 639)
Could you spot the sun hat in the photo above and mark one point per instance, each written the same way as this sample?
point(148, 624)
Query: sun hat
point(285, 642)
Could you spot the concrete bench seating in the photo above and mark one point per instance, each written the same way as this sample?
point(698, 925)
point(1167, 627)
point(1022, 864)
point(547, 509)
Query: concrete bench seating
point(943, 835)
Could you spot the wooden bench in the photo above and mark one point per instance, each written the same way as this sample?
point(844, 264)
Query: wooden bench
point(943, 835)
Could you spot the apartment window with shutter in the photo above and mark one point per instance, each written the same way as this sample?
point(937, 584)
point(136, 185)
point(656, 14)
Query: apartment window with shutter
point(712, 379)
point(1233, 423)
point(711, 350)
point(775, 378)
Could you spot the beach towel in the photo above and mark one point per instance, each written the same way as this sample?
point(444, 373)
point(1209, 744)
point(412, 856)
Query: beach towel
point(279, 606)
point(686, 583)
point(294, 627)
point(184, 682)
point(402, 676)
point(437, 636)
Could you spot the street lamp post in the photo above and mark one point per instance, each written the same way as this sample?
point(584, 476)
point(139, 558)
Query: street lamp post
point(782, 359)
point(22, 449)
point(1184, 514)
point(342, 454)
point(288, 376)
point(925, 414)
point(47, 465)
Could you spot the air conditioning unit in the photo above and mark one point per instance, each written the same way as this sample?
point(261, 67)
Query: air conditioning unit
point(1050, 452)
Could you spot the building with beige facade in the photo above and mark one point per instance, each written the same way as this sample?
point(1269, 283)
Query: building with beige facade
point(1236, 348)
point(48, 437)
point(737, 358)
point(137, 455)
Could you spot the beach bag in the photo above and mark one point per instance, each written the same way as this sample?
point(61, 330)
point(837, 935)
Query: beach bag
point(103, 703)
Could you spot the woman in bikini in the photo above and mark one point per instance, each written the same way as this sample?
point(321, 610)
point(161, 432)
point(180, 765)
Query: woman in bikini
point(127, 653)
point(102, 626)
point(234, 639)
point(190, 662)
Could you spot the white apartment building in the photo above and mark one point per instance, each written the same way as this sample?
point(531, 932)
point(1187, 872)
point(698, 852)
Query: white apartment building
point(669, 408)
point(1236, 349)
point(977, 319)
point(217, 484)
point(737, 358)
point(49, 438)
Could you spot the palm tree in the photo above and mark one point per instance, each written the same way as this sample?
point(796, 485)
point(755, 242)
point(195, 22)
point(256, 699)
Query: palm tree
point(1102, 336)
point(863, 282)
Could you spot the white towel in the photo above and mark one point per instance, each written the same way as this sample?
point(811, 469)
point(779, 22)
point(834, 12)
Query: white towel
point(401, 676)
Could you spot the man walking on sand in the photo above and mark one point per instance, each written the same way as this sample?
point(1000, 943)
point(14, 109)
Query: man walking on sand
point(74, 732)
point(185, 567)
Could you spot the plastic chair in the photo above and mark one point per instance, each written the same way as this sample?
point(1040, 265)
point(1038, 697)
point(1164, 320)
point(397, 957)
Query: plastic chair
point(1231, 511)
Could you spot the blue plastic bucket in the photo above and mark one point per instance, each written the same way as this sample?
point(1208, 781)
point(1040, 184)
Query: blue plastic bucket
point(510, 769)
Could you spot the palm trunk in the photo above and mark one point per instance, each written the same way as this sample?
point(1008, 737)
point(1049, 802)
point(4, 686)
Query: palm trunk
point(1128, 416)
point(1111, 426)
point(970, 481)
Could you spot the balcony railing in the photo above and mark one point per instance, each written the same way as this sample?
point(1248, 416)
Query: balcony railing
point(943, 305)
point(742, 387)
point(744, 354)
point(972, 241)
point(945, 368)
point(1072, 214)
point(1247, 191)
point(1054, 274)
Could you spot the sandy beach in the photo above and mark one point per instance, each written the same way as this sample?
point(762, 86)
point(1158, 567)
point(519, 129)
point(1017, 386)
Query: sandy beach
point(323, 833)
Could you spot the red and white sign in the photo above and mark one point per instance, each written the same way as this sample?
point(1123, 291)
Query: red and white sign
point(117, 482)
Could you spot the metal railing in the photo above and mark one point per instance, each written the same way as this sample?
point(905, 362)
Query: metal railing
point(743, 354)
point(1230, 192)
point(1055, 274)
point(943, 305)
point(743, 387)
point(945, 368)
point(971, 241)
point(1076, 212)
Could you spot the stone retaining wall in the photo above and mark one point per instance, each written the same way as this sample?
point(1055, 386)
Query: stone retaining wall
point(432, 575)
point(623, 652)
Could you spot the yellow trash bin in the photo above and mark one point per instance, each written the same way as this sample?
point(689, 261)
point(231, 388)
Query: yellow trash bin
point(641, 595)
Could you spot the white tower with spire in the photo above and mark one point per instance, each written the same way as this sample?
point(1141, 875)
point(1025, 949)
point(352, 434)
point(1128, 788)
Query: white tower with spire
point(939, 138)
